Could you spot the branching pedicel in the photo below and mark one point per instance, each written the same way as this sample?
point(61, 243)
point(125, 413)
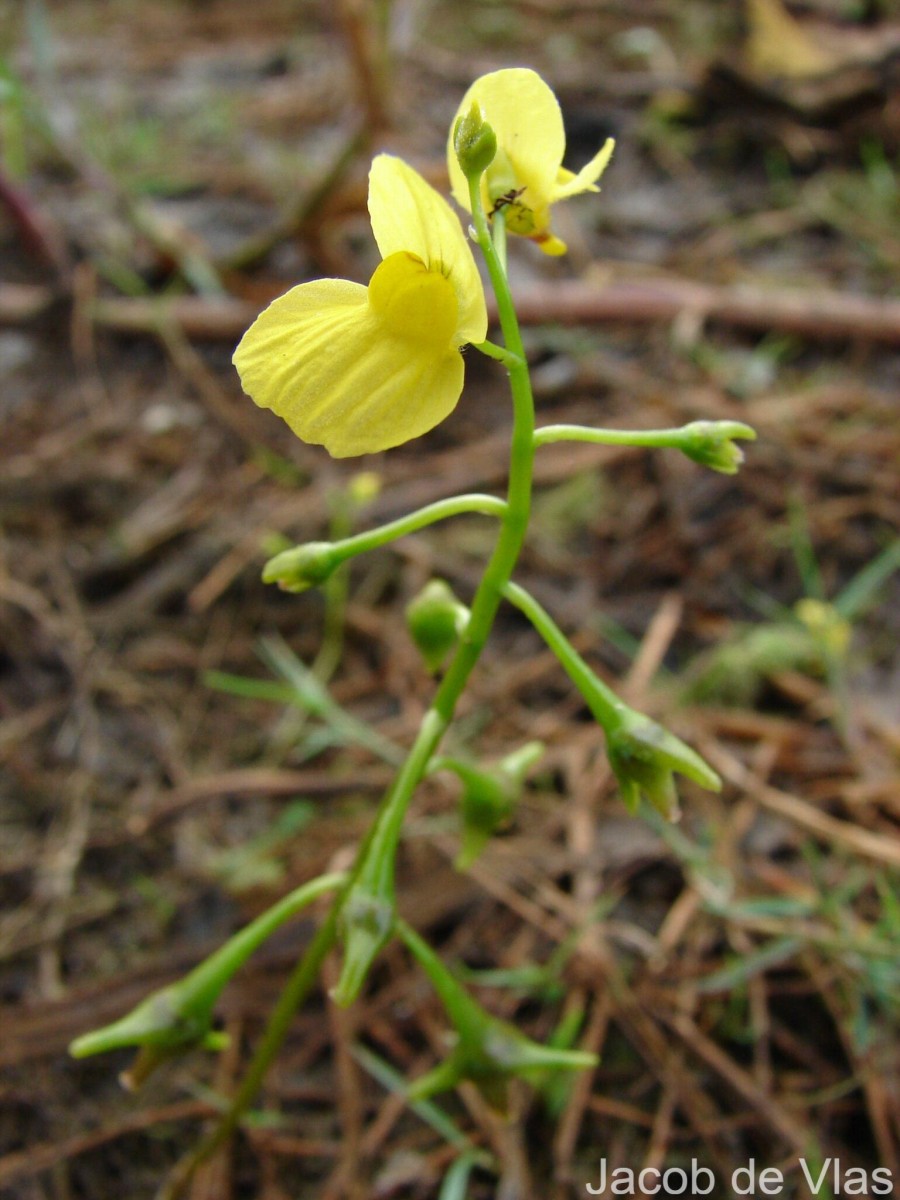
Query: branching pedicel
point(359, 370)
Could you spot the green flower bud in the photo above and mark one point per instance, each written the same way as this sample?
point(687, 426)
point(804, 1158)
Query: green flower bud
point(488, 1051)
point(170, 1018)
point(368, 922)
point(711, 443)
point(436, 620)
point(490, 795)
point(178, 1017)
point(645, 757)
point(474, 142)
point(170, 1022)
point(301, 567)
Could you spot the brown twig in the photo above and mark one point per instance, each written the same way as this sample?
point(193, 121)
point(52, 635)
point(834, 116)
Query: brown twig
point(21, 303)
point(778, 1119)
point(344, 1181)
point(833, 829)
point(363, 26)
point(214, 1179)
point(820, 315)
point(22, 1164)
point(38, 233)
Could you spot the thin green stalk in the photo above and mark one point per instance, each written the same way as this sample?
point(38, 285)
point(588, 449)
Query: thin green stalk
point(180, 1014)
point(643, 755)
point(440, 510)
point(311, 565)
point(518, 499)
point(608, 437)
point(710, 443)
point(377, 877)
point(224, 962)
point(499, 237)
point(389, 821)
point(605, 704)
point(500, 353)
point(385, 831)
point(297, 988)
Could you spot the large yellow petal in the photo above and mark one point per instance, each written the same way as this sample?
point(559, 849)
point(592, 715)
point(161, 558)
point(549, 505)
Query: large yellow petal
point(409, 215)
point(325, 362)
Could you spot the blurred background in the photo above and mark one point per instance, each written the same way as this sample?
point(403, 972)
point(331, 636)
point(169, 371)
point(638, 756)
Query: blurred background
point(180, 745)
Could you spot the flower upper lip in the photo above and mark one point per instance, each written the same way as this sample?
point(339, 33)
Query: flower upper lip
point(408, 214)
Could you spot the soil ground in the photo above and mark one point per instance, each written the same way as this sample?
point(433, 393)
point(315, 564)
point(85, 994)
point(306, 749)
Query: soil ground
point(169, 167)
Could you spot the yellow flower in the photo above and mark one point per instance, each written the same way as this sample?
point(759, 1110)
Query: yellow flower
point(359, 369)
point(527, 175)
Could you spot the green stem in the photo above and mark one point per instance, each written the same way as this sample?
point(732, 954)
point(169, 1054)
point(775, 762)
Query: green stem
point(454, 997)
point(376, 878)
point(373, 873)
point(189, 1003)
point(390, 817)
point(370, 539)
point(499, 236)
point(385, 831)
point(500, 353)
point(710, 443)
point(211, 974)
point(515, 522)
point(297, 988)
point(602, 700)
point(665, 438)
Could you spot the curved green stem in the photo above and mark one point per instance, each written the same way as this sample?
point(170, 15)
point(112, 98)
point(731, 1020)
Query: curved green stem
point(297, 988)
point(710, 443)
point(488, 1049)
point(500, 353)
point(369, 908)
point(440, 510)
point(179, 1013)
point(548, 434)
point(371, 896)
point(220, 966)
point(515, 522)
point(602, 700)
point(643, 755)
point(313, 564)
point(373, 869)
